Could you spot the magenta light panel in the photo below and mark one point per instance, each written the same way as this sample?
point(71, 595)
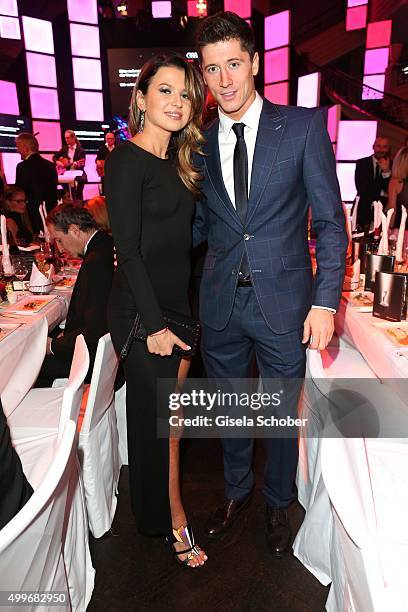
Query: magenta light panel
point(48, 135)
point(83, 11)
point(352, 3)
point(44, 103)
point(277, 30)
point(277, 92)
point(276, 66)
point(9, 7)
point(308, 93)
point(89, 105)
point(356, 18)
point(10, 161)
point(41, 69)
point(355, 139)
point(376, 60)
point(379, 34)
point(333, 118)
point(345, 175)
point(374, 89)
point(38, 35)
point(87, 73)
point(9, 28)
point(240, 7)
point(85, 40)
point(8, 98)
point(161, 10)
point(86, 65)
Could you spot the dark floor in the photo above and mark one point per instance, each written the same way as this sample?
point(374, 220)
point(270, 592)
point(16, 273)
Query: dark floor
point(135, 573)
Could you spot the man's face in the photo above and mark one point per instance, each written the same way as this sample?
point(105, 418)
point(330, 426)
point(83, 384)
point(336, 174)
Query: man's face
point(381, 148)
point(69, 139)
point(229, 72)
point(110, 139)
point(22, 149)
point(70, 243)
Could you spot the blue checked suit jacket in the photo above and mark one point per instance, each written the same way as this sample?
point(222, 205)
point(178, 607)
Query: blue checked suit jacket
point(293, 168)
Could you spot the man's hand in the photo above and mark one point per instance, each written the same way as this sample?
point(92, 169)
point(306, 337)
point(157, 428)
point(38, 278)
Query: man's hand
point(384, 163)
point(318, 328)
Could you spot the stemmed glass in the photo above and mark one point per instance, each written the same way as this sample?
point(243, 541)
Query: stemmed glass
point(20, 268)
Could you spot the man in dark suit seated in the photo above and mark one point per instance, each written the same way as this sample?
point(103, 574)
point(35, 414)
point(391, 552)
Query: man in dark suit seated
point(372, 177)
point(72, 156)
point(76, 233)
point(37, 177)
point(15, 490)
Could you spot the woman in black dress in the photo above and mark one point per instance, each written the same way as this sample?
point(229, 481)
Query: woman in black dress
point(151, 185)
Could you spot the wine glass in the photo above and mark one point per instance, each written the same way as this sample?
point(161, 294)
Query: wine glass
point(20, 268)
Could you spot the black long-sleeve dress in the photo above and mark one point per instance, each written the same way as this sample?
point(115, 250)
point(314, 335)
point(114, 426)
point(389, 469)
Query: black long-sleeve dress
point(150, 211)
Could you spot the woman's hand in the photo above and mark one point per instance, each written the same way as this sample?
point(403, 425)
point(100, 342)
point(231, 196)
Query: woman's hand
point(162, 343)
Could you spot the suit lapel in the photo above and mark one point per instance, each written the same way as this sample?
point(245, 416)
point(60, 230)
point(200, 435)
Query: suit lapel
point(271, 127)
point(213, 164)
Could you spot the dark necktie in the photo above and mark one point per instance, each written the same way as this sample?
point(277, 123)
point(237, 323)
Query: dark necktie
point(241, 185)
point(240, 172)
point(378, 179)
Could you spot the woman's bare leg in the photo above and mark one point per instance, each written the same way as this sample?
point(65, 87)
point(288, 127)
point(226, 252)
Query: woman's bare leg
point(178, 515)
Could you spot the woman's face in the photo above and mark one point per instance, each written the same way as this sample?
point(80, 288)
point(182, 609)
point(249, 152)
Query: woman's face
point(166, 103)
point(17, 203)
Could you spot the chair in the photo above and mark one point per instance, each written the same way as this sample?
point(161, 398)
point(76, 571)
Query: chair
point(317, 544)
point(31, 544)
point(44, 412)
point(98, 441)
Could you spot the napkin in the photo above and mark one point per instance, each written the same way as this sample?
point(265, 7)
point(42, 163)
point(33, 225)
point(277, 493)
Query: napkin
point(378, 207)
point(385, 222)
point(38, 279)
point(5, 259)
point(401, 235)
point(43, 214)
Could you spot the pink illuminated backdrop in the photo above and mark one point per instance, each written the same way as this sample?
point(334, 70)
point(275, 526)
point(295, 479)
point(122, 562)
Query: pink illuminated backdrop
point(41, 69)
point(277, 92)
point(10, 161)
point(308, 93)
point(345, 174)
point(276, 66)
point(355, 139)
point(8, 98)
point(356, 18)
point(48, 135)
point(38, 35)
point(44, 103)
point(85, 40)
point(277, 30)
point(161, 10)
point(379, 34)
point(9, 28)
point(241, 7)
point(83, 11)
point(87, 73)
point(89, 105)
point(9, 7)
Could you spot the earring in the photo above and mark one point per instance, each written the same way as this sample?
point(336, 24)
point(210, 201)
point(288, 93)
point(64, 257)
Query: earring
point(141, 121)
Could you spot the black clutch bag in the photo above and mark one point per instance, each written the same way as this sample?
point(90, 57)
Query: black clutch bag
point(185, 328)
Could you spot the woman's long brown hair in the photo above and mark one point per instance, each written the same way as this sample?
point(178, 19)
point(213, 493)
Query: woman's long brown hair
point(188, 140)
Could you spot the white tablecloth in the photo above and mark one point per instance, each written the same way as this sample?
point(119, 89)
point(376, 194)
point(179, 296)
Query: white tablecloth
point(22, 351)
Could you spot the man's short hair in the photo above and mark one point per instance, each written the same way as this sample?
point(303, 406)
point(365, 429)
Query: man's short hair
point(29, 140)
point(225, 26)
point(64, 215)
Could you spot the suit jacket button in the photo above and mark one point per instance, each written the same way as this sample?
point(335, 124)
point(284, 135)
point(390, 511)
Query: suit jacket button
point(233, 272)
point(246, 236)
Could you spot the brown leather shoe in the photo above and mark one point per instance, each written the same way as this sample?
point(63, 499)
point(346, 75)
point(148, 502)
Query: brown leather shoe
point(278, 531)
point(224, 516)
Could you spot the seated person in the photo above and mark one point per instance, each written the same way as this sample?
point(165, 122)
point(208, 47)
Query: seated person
point(76, 233)
point(14, 208)
point(15, 490)
point(98, 209)
point(72, 156)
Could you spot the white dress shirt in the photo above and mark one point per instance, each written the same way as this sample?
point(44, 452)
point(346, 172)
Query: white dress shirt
point(71, 152)
point(226, 145)
point(227, 141)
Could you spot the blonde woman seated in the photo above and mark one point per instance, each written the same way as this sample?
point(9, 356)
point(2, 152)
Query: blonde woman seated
point(97, 207)
point(398, 187)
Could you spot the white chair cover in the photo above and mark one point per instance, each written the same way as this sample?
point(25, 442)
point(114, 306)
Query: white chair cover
point(31, 544)
point(98, 441)
point(120, 408)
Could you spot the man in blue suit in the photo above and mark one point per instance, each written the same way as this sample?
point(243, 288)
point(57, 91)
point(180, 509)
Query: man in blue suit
point(264, 165)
